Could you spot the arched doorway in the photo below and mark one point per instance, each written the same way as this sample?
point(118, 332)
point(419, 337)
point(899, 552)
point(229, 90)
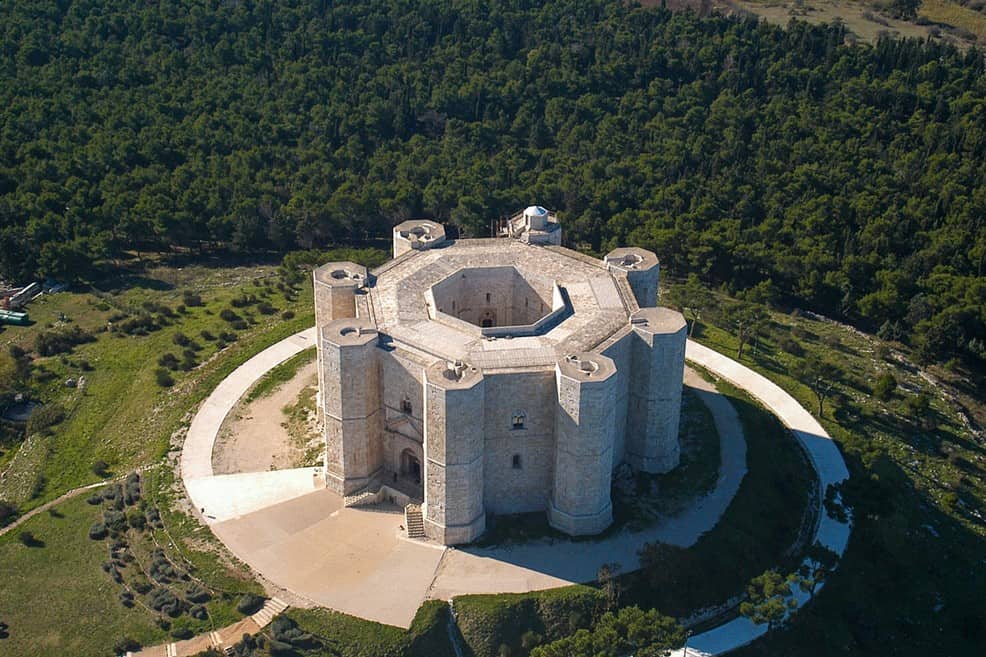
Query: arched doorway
point(488, 319)
point(411, 467)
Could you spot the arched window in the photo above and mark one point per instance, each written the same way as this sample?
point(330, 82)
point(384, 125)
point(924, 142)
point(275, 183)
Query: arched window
point(516, 461)
point(519, 419)
point(406, 405)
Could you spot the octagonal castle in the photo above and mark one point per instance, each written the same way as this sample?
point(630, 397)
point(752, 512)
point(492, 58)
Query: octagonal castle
point(496, 376)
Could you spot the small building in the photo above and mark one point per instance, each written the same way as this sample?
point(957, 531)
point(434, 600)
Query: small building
point(497, 376)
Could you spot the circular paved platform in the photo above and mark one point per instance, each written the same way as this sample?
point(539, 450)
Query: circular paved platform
point(297, 534)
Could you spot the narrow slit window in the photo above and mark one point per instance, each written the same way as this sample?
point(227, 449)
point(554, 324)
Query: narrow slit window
point(488, 297)
point(406, 405)
point(519, 420)
point(516, 461)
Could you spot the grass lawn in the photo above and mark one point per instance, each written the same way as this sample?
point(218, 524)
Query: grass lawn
point(340, 635)
point(121, 415)
point(56, 599)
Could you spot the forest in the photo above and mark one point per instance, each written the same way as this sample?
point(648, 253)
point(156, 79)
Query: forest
point(779, 164)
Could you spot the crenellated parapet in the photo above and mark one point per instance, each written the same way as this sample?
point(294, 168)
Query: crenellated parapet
point(654, 405)
point(454, 449)
point(584, 435)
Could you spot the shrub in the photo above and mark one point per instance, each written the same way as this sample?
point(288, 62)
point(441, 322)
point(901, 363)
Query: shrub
point(181, 339)
point(45, 417)
point(27, 538)
point(207, 336)
point(100, 468)
point(227, 336)
point(127, 599)
point(198, 612)
point(8, 512)
point(182, 633)
point(141, 586)
point(249, 604)
point(51, 343)
point(884, 386)
point(94, 499)
point(791, 346)
point(163, 600)
point(196, 593)
point(239, 325)
point(168, 360)
point(287, 314)
point(131, 489)
point(125, 645)
point(163, 378)
point(228, 315)
point(98, 531)
point(136, 519)
point(191, 299)
point(265, 308)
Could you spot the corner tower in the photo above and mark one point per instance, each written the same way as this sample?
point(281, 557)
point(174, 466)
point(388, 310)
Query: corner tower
point(349, 374)
point(417, 235)
point(455, 396)
point(584, 434)
point(642, 270)
point(654, 408)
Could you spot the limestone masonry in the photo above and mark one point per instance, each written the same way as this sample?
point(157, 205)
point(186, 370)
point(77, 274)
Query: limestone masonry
point(496, 376)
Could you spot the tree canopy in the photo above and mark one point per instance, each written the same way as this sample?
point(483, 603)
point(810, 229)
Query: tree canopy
point(846, 178)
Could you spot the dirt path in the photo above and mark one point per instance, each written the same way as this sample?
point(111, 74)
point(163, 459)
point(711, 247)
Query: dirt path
point(255, 437)
point(63, 497)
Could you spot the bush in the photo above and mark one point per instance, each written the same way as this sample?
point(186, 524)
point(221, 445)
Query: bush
point(198, 612)
point(163, 378)
point(207, 336)
point(181, 339)
point(115, 520)
point(239, 325)
point(287, 314)
point(228, 315)
point(131, 489)
point(45, 417)
point(98, 531)
point(168, 360)
point(95, 499)
point(191, 299)
point(249, 604)
point(27, 538)
point(265, 308)
point(227, 336)
point(182, 633)
point(136, 519)
point(125, 645)
point(8, 512)
point(884, 386)
point(100, 468)
point(163, 600)
point(196, 593)
point(51, 343)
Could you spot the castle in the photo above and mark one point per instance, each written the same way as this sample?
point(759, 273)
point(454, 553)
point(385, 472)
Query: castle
point(497, 376)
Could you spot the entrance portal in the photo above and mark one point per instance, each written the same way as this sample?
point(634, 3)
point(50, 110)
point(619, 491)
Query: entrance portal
point(411, 466)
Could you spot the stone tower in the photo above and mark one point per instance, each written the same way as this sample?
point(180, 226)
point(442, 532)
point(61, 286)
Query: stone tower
point(655, 390)
point(584, 428)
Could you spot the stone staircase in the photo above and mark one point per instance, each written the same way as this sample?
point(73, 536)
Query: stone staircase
point(368, 495)
point(414, 521)
point(270, 609)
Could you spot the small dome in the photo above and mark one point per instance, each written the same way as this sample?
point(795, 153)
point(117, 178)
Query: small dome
point(535, 211)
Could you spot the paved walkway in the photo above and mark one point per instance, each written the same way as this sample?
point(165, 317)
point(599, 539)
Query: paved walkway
point(535, 565)
point(824, 456)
